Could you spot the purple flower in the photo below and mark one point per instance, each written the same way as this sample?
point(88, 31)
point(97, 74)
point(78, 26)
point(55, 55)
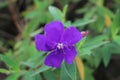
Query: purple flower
point(60, 43)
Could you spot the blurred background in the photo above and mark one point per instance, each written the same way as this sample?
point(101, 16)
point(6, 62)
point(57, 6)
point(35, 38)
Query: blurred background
point(21, 20)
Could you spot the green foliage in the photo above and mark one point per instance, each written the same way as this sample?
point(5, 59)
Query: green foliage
point(11, 64)
point(68, 72)
point(116, 24)
point(56, 13)
point(79, 23)
point(25, 62)
point(3, 70)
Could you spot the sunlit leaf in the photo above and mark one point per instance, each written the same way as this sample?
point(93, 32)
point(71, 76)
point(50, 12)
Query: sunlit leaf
point(2, 70)
point(116, 24)
point(56, 13)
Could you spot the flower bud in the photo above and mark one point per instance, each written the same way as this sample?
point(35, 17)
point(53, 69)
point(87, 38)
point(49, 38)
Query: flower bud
point(84, 33)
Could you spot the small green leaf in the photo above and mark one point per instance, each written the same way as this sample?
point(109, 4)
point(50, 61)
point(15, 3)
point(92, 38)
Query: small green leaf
point(31, 26)
point(34, 61)
point(36, 32)
point(64, 75)
point(90, 14)
point(28, 76)
point(79, 45)
point(68, 72)
point(51, 75)
point(95, 45)
point(13, 77)
point(37, 4)
point(10, 62)
point(106, 55)
point(91, 44)
point(41, 69)
point(64, 13)
point(88, 73)
point(71, 70)
point(67, 24)
point(56, 13)
point(4, 71)
point(117, 39)
point(95, 42)
point(116, 24)
point(80, 22)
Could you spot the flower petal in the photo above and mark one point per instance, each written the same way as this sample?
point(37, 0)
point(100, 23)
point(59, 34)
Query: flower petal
point(72, 35)
point(54, 30)
point(54, 59)
point(70, 54)
point(42, 43)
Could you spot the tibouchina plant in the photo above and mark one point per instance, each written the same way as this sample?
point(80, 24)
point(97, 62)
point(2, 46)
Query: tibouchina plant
point(59, 42)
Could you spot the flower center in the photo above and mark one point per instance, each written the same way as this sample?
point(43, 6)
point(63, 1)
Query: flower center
point(60, 45)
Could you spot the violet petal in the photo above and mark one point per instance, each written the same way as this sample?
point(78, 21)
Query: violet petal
point(54, 30)
point(42, 44)
point(70, 54)
point(72, 35)
point(54, 59)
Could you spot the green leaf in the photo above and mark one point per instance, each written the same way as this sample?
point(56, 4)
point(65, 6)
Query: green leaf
point(39, 70)
point(36, 32)
point(80, 22)
point(10, 62)
point(117, 39)
point(95, 42)
point(28, 76)
point(28, 15)
point(68, 72)
point(34, 61)
point(37, 4)
point(71, 70)
point(79, 45)
point(115, 48)
point(88, 73)
point(67, 24)
point(106, 55)
point(94, 45)
point(4, 71)
point(64, 13)
point(90, 14)
point(51, 75)
point(97, 56)
point(31, 26)
point(64, 75)
point(56, 13)
point(104, 10)
point(42, 5)
point(84, 51)
point(13, 77)
point(91, 44)
point(116, 24)
point(37, 77)
point(98, 25)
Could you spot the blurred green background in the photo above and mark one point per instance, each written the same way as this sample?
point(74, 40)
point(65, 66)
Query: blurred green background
point(98, 53)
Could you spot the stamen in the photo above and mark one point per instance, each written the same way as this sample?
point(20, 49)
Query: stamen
point(60, 45)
